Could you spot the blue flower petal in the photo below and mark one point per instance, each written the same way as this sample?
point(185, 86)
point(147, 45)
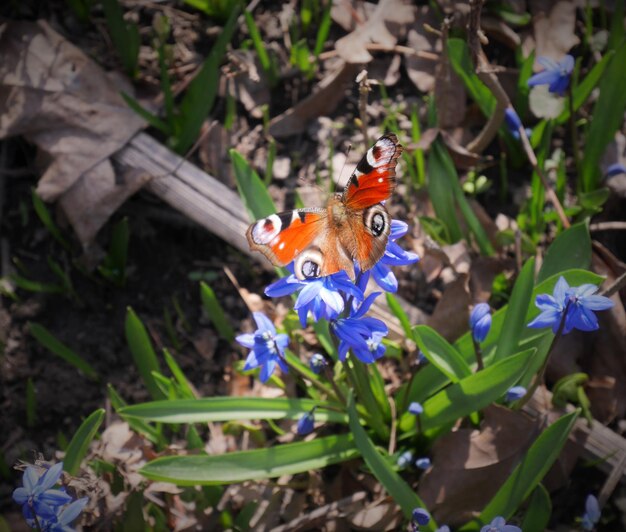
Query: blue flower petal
point(247, 340)
point(263, 323)
point(598, 303)
point(71, 512)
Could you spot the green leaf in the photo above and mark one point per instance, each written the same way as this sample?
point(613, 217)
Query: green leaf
point(114, 265)
point(513, 323)
point(143, 354)
point(607, 118)
point(149, 117)
point(474, 392)
point(125, 35)
point(458, 53)
point(215, 312)
point(185, 386)
point(151, 433)
point(571, 249)
point(441, 353)
point(527, 475)
point(539, 510)
point(401, 492)
point(275, 461)
point(230, 409)
point(46, 339)
point(200, 95)
point(77, 449)
point(429, 379)
point(253, 192)
point(399, 313)
point(46, 219)
point(441, 173)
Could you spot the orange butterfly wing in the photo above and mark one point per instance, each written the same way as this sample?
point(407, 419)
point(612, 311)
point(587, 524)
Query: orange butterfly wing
point(374, 178)
point(283, 236)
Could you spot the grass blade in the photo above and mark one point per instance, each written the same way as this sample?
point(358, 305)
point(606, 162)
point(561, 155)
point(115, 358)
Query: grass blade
point(77, 449)
point(513, 323)
point(571, 249)
point(230, 409)
point(215, 312)
point(527, 475)
point(143, 354)
point(276, 461)
point(47, 340)
point(200, 96)
point(402, 493)
point(475, 392)
point(253, 192)
point(440, 353)
point(607, 118)
point(185, 386)
point(151, 433)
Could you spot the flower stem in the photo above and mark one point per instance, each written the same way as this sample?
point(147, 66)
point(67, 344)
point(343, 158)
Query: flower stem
point(539, 378)
point(479, 355)
point(331, 378)
point(574, 132)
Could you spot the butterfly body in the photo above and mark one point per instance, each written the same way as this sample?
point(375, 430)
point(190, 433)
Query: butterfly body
point(354, 226)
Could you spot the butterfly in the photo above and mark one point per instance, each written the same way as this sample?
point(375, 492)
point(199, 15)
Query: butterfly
point(354, 225)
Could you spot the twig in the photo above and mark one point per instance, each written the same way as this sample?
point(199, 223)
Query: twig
point(392, 437)
point(364, 89)
point(611, 481)
point(608, 226)
point(485, 73)
point(618, 284)
point(398, 48)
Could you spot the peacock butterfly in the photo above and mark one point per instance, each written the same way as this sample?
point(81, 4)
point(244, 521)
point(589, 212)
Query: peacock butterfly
point(354, 226)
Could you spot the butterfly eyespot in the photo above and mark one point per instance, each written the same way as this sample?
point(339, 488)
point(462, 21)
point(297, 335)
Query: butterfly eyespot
point(309, 265)
point(376, 221)
point(310, 270)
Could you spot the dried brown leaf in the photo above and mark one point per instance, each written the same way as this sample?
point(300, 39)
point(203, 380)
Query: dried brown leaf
point(451, 314)
point(383, 26)
point(422, 71)
point(554, 28)
point(323, 101)
point(469, 465)
point(62, 101)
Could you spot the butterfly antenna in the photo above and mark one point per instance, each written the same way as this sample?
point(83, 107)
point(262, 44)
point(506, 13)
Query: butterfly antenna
point(344, 164)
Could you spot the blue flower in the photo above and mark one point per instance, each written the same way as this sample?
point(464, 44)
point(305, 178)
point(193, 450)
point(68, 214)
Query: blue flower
point(317, 363)
point(480, 322)
point(306, 423)
point(579, 303)
point(423, 463)
point(514, 124)
point(62, 520)
point(404, 459)
point(615, 169)
point(499, 525)
point(36, 494)
point(515, 393)
point(267, 347)
point(394, 256)
point(512, 120)
point(322, 296)
point(361, 334)
point(421, 516)
point(443, 528)
point(416, 408)
point(592, 513)
point(556, 75)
